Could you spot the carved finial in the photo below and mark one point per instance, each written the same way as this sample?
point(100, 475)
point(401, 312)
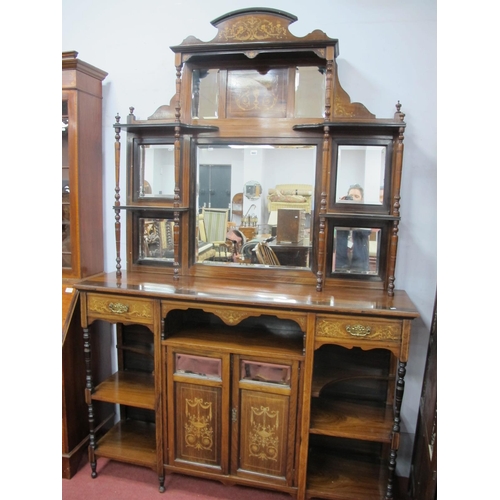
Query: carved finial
point(117, 118)
point(399, 114)
point(131, 116)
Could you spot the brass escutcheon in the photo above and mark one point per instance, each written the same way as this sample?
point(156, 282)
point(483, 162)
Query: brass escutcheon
point(118, 308)
point(358, 330)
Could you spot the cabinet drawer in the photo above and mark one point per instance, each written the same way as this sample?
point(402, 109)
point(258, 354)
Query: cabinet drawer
point(350, 328)
point(117, 308)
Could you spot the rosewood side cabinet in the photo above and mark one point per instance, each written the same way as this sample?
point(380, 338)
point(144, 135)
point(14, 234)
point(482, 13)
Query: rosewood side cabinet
point(284, 375)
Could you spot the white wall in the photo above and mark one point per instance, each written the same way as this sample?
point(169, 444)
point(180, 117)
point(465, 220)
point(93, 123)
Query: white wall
point(387, 53)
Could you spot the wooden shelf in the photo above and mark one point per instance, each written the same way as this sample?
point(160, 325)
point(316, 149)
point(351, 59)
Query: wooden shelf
point(128, 388)
point(238, 341)
point(170, 127)
point(351, 420)
point(320, 381)
point(365, 373)
point(344, 478)
point(130, 441)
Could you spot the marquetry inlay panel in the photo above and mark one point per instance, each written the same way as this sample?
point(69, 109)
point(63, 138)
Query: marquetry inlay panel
point(263, 433)
point(253, 29)
point(254, 94)
point(119, 308)
point(199, 431)
point(356, 328)
point(264, 426)
point(198, 423)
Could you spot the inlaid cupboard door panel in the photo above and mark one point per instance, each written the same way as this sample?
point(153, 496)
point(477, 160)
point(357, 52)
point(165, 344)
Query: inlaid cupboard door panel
point(264, 419)
point(197, 414)
point(263, 433)
point(198, 424)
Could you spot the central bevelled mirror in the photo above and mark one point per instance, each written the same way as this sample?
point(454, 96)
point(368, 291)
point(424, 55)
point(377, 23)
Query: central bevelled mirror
point(254, 204)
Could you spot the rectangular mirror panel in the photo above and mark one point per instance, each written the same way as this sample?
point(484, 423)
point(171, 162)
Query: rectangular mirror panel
point(360, 174)
point(198, 365)
point(265, 372)
point(157, 170)
point(157, 242)
point(251, 93)
point(310, 85)
point(356, 250)
point(248, 195)
point(205, 94)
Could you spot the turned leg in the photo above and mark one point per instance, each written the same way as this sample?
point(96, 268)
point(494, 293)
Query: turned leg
point(389, 494)
point(162, 484)
point(88, 399)
point(400, 386)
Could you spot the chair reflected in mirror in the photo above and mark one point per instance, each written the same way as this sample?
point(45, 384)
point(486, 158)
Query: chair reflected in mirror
point(213, 227)
point(265, 254)
point(237, 207)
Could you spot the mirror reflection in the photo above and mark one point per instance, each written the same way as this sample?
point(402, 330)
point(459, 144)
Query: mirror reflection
point(256, 87)
point(252, 190)
point(260, 207)
point(356, 250)
point(157, 242)
point(360, 174)
point(157, 171)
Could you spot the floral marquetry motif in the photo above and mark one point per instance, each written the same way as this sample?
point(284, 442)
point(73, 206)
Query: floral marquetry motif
point(253, 29)
point(263, 440)
point(342, 329)
point(199, 431)
point(197, 428)
point(264, 433)
point(101, 305)
point(231, 317)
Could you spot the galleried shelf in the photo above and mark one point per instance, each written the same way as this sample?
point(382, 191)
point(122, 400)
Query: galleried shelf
point(261, 339)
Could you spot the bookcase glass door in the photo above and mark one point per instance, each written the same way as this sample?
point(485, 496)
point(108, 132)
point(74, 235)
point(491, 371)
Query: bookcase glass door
point(66, 233)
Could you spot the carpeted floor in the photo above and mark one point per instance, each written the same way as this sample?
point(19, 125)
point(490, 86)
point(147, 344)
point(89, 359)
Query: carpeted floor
point(119, 481)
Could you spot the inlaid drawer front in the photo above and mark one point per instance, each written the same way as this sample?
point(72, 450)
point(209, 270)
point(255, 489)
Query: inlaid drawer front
point(120, 308)
point(343, 327)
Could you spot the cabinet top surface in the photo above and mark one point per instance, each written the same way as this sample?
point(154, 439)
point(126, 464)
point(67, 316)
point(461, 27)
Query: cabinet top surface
point(263, 294)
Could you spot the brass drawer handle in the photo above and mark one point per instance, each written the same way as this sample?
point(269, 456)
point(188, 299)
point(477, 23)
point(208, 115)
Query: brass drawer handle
point(118, 308)
point(358, 330)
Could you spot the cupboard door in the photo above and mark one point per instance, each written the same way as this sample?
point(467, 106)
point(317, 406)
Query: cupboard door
point(264, 419)
point(198, 424)
point(197, 410)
